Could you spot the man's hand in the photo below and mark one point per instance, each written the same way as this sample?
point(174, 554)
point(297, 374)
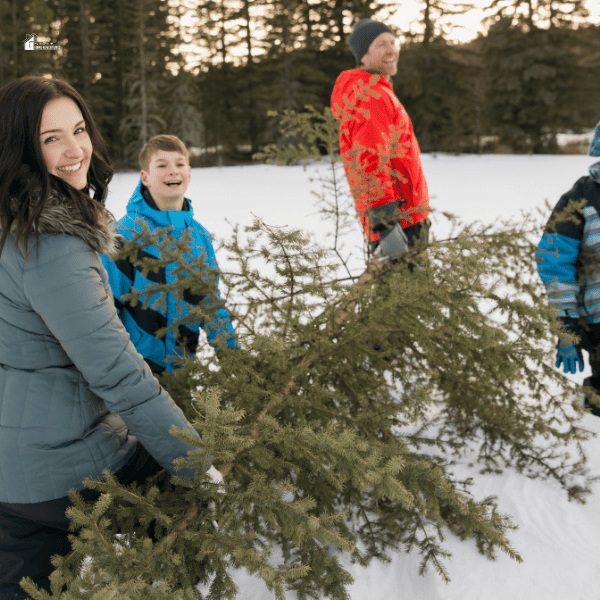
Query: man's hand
point(393, 242)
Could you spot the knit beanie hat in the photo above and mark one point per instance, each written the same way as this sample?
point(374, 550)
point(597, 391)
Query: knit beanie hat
point(595, 151)
point(363, 35)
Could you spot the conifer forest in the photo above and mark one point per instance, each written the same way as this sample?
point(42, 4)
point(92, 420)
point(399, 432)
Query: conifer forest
point(209, 71)
point(336, 421)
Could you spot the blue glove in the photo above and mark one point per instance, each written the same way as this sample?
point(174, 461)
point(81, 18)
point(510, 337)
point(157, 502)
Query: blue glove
point(569, 356)
point(568, 353)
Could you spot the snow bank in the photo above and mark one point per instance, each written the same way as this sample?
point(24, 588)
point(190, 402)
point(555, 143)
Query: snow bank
point(559, 541)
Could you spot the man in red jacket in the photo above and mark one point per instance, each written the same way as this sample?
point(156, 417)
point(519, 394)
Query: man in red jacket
point(379, 149)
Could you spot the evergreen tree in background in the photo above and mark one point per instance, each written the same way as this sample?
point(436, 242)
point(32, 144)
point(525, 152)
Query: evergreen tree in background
point(328, 445)
point(219, 81)
point(247, 14)
point(80, 30)
point(94, 37)
point(184, 116)
point(535, 73)
point(213, 30)
point(116, 24)
point(152, 46)
point(532, 14)
point(437, 18)
point(18, 19)
point(221, 91)
point(435, 82)
point(587, 106)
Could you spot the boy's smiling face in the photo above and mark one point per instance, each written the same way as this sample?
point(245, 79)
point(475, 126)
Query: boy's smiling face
point(167, 178)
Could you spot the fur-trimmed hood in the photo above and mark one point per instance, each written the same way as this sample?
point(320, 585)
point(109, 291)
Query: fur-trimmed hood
point(58, 216)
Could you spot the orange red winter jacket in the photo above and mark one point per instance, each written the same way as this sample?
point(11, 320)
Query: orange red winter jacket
point(379, 149)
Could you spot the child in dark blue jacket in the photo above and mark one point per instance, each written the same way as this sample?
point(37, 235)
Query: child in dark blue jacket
point(159, 201)
point(569, 266)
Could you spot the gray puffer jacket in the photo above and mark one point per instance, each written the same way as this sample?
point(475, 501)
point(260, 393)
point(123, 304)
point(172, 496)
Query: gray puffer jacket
point(75, 395)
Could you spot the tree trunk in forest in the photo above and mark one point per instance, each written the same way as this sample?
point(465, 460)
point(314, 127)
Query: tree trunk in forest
point(248, 32)
point(338, 17)
point(309, 25)
point(530, 11)
point(252, 125)
point(1, 59)
point(428, 33)
point(223, 46)
point(144, 104)
point(85, 48)
point(15, 30)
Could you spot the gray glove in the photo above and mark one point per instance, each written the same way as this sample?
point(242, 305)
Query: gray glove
point(393, 242)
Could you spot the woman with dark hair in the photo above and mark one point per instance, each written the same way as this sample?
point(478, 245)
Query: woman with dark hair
point(75, 396)
point(26, 180)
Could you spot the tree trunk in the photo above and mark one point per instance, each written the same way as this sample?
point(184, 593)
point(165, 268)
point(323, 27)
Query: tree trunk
point(338, 17)
point(223, 47)
point(252, 125)
point(530, 11)
point(428, 34)
point(15, 33)
point(1, 59)
point(309, 25)
point(86, 75)
point(144, 104)
point(248, 33)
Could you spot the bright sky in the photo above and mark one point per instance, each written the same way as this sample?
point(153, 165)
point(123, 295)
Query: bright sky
point(408, 14)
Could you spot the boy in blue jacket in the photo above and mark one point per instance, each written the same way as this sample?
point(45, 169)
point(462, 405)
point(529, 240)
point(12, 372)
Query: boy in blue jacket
point(159, 201)
point(569, 266)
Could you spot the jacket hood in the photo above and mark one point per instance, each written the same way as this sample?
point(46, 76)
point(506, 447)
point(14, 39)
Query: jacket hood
point(345, 84)
point(137, 207)
point(58, 216)
point(595, 151)
point(595, 145)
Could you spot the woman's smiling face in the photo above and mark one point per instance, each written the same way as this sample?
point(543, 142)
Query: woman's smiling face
point(65, 143)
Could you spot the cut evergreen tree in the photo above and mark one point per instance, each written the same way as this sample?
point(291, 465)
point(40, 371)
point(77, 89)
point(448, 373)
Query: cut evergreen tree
point(337, 421)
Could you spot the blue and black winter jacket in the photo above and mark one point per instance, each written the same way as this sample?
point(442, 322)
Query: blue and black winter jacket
point(572, 285)
point(142, 322)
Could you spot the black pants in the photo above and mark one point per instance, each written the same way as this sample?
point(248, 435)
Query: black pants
point(590, 342)
point(30, 534)
point(419, 232)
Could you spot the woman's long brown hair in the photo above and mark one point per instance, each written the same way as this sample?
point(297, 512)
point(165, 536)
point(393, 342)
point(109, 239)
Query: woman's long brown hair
point(25, 183)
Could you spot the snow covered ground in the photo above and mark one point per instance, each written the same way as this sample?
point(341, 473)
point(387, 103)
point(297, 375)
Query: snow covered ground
point(580, 138)
point(559, 541)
